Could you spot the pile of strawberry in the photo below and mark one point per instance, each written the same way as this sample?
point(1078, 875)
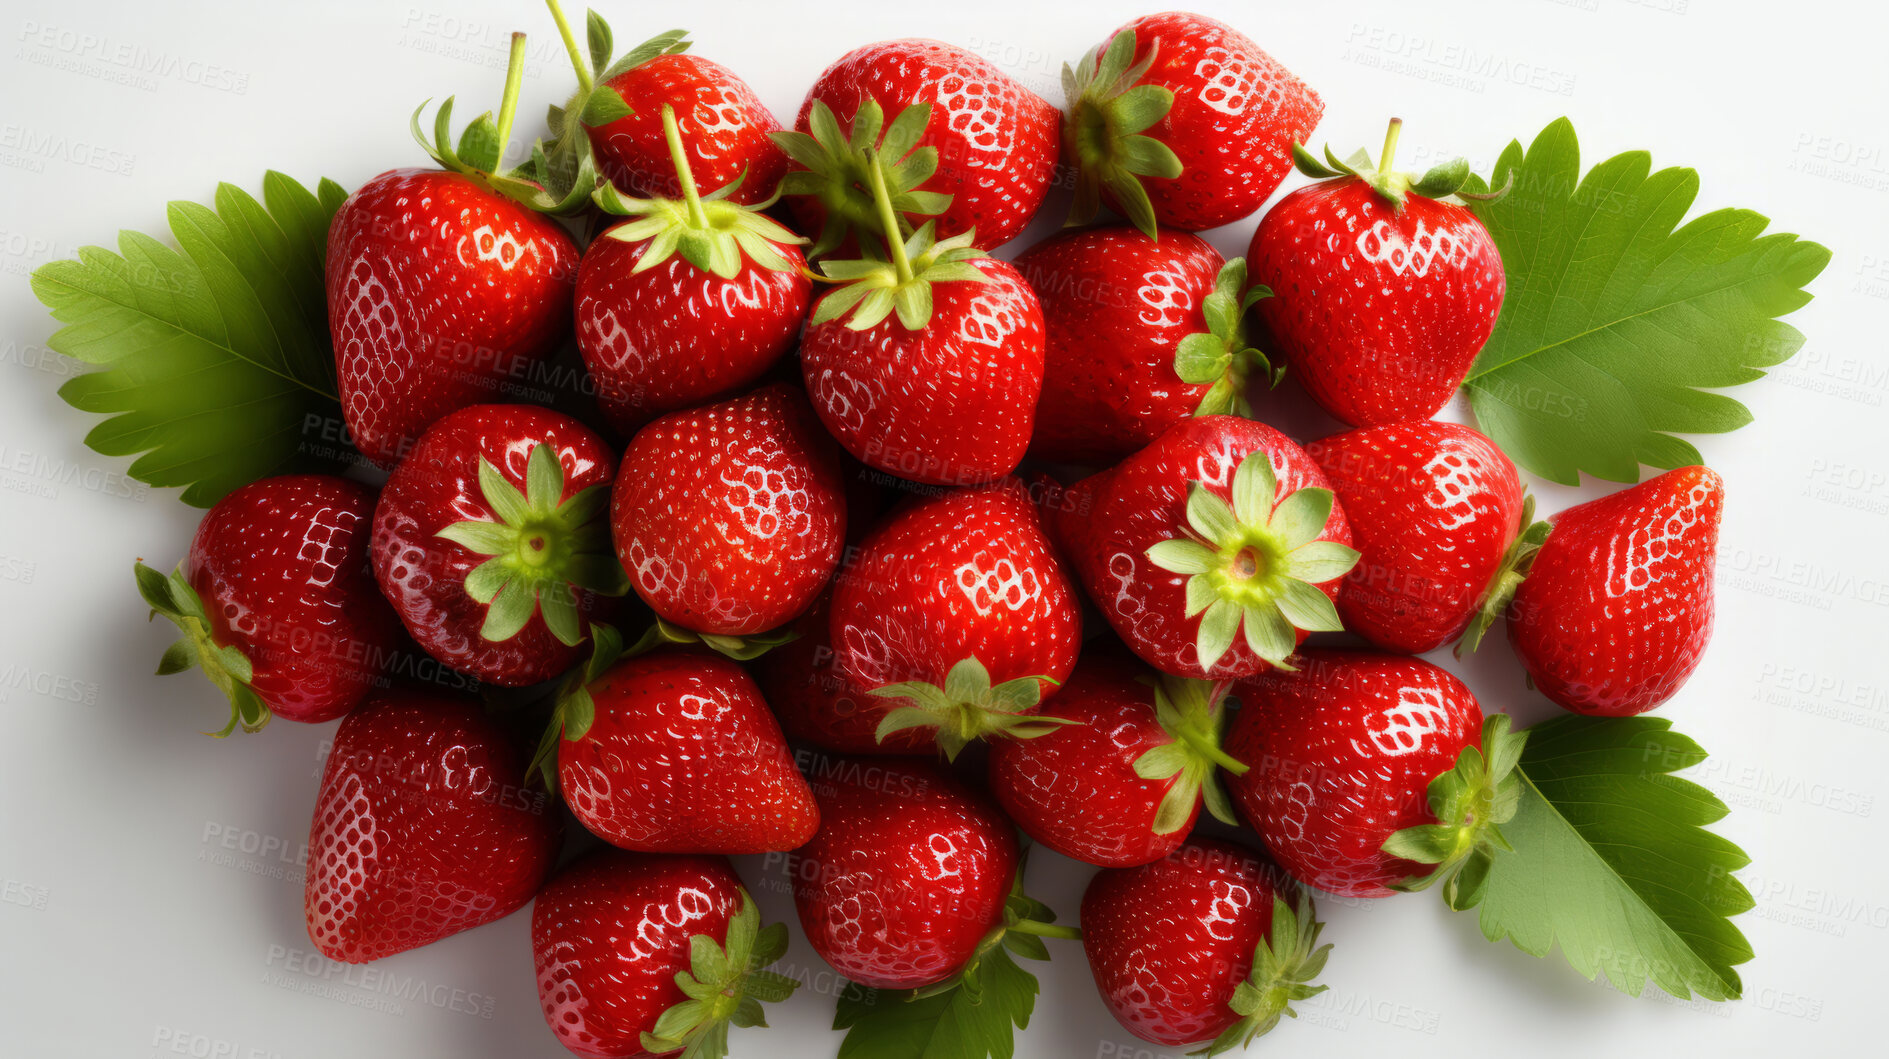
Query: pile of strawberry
point(824, 476)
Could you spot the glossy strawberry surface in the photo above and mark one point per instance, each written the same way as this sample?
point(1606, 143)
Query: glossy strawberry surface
point(441, 293)
point(816, 703)
point(1617, 608)
point(422, 828)
point(682, 756)
point(1378, 310)
point(907, 874)
point(1433, 508)
point(728, 131)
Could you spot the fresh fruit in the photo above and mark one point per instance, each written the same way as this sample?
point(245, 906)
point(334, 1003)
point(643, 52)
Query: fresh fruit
point(693, 299)
point(1616, 607)
point(729, 519)
point(955, 612)
point(1200, 945)
point(277, 601)
point(641, 955)
point(816, 703)
point(1382, 293)
point(963, 143)
point(1434, 509)
point(493, 543)
point(421, 828)
point(1223, 519)
point(1142, 334)
point(1181, 121)
point(1124, 783)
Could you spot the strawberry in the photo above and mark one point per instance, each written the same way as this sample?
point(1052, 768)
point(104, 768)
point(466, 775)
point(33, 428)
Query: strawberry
point(642, 955)
point(1223, 519)
point(966, 144)
point(1200, 945)
point(420, 831)
point(817, 704)
point(277, 601)
point(1382, 294)
point(693, 299)
point(443, 284)
point(674, 751)
point(1124, 783)
point(1435, 511)
point(492, 541)
point(1142, 334)
point(1347, 752)
point(729, 519)
point(1616, 608)
point(1182, 121)
point(957, 605)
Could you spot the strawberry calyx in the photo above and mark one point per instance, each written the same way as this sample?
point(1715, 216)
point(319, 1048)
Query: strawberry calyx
point(873, 288)
point(1106, 111)
point(1191, 712)
point(226, 665)
point(1471, 801)
point(1253, 565)
point(1284, 967)
point(480, 149)
point(711, 232)
point(967, 708)
point(1224, 354)
point(1026, 922)
point(726, 983)
point(1508, 577)
point(541, 546)
point(1439, 181)
point(739, 648)
point(842, 167)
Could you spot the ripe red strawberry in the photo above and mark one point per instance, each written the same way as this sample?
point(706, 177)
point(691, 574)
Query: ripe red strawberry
point(956, 613)
point(641, 955)
point(729, 519)
point(1142, 334)
point(966, 144)
point(1223, 519)
point(1181, 120)
point(277, 602)
point(1200, 946)
point(1382, 295)
point(693, 299)
point(1344, 754)
point(1617, 606)
point(1124, 783)
point(421, 829)
point(816, 703)
point(493, 543)
point(1435, 509)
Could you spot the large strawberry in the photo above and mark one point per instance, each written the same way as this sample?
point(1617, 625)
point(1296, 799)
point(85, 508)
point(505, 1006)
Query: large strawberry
point(1435, 510)
point(1182, 121)
point(957, 614)
point(1616, 608)
point(1142, 334)
point(816, 702)
point(277, 601)
point(1205, 944)
point(694, 298)
point(642, 955)
point(1382, 293)
point(1223, 520)
point(965, 143)
point(443, 285)
point(422, 828)
point(492, 541)
point(1124, 783)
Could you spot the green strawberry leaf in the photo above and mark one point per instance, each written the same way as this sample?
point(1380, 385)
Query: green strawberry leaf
point(971, 1020)
point(1611, 861)
point(214, 355)
point(1618, 318)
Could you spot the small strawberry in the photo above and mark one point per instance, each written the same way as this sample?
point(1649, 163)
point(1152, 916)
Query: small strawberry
point(1201, 945)
point(1124, 783)
point(692, 299)
point(277, 601)
point(817, 704)
point(1223, 519)
point(420, 831)
point(492, 541)
point(1382, 293)
point(1181, 120)
point(642, 955)
point(1142, 334)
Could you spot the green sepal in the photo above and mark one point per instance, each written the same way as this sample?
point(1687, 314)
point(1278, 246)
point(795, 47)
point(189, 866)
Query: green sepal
point(1284, 967)
point(1439, 181)
point(726, 983)
point(838, 164)
point(1508, 577)
point(1191, 712)
point(872, 289)
point(968, 708)
point(224, 664)
point(573, 709)
point(740, 648)
point(1471, 803)
point(1106, 113)
point(1224, 355)
point(479, 150)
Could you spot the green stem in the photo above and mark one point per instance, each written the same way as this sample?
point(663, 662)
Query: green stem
point(698, 218)
point(584, 80)
point(1045, 930)
point(508, 106)
point(1390, 145)
point(887, 219)
point(1210, 750)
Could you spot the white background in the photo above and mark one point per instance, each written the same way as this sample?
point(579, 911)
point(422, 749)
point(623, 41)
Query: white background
point(127, 927)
